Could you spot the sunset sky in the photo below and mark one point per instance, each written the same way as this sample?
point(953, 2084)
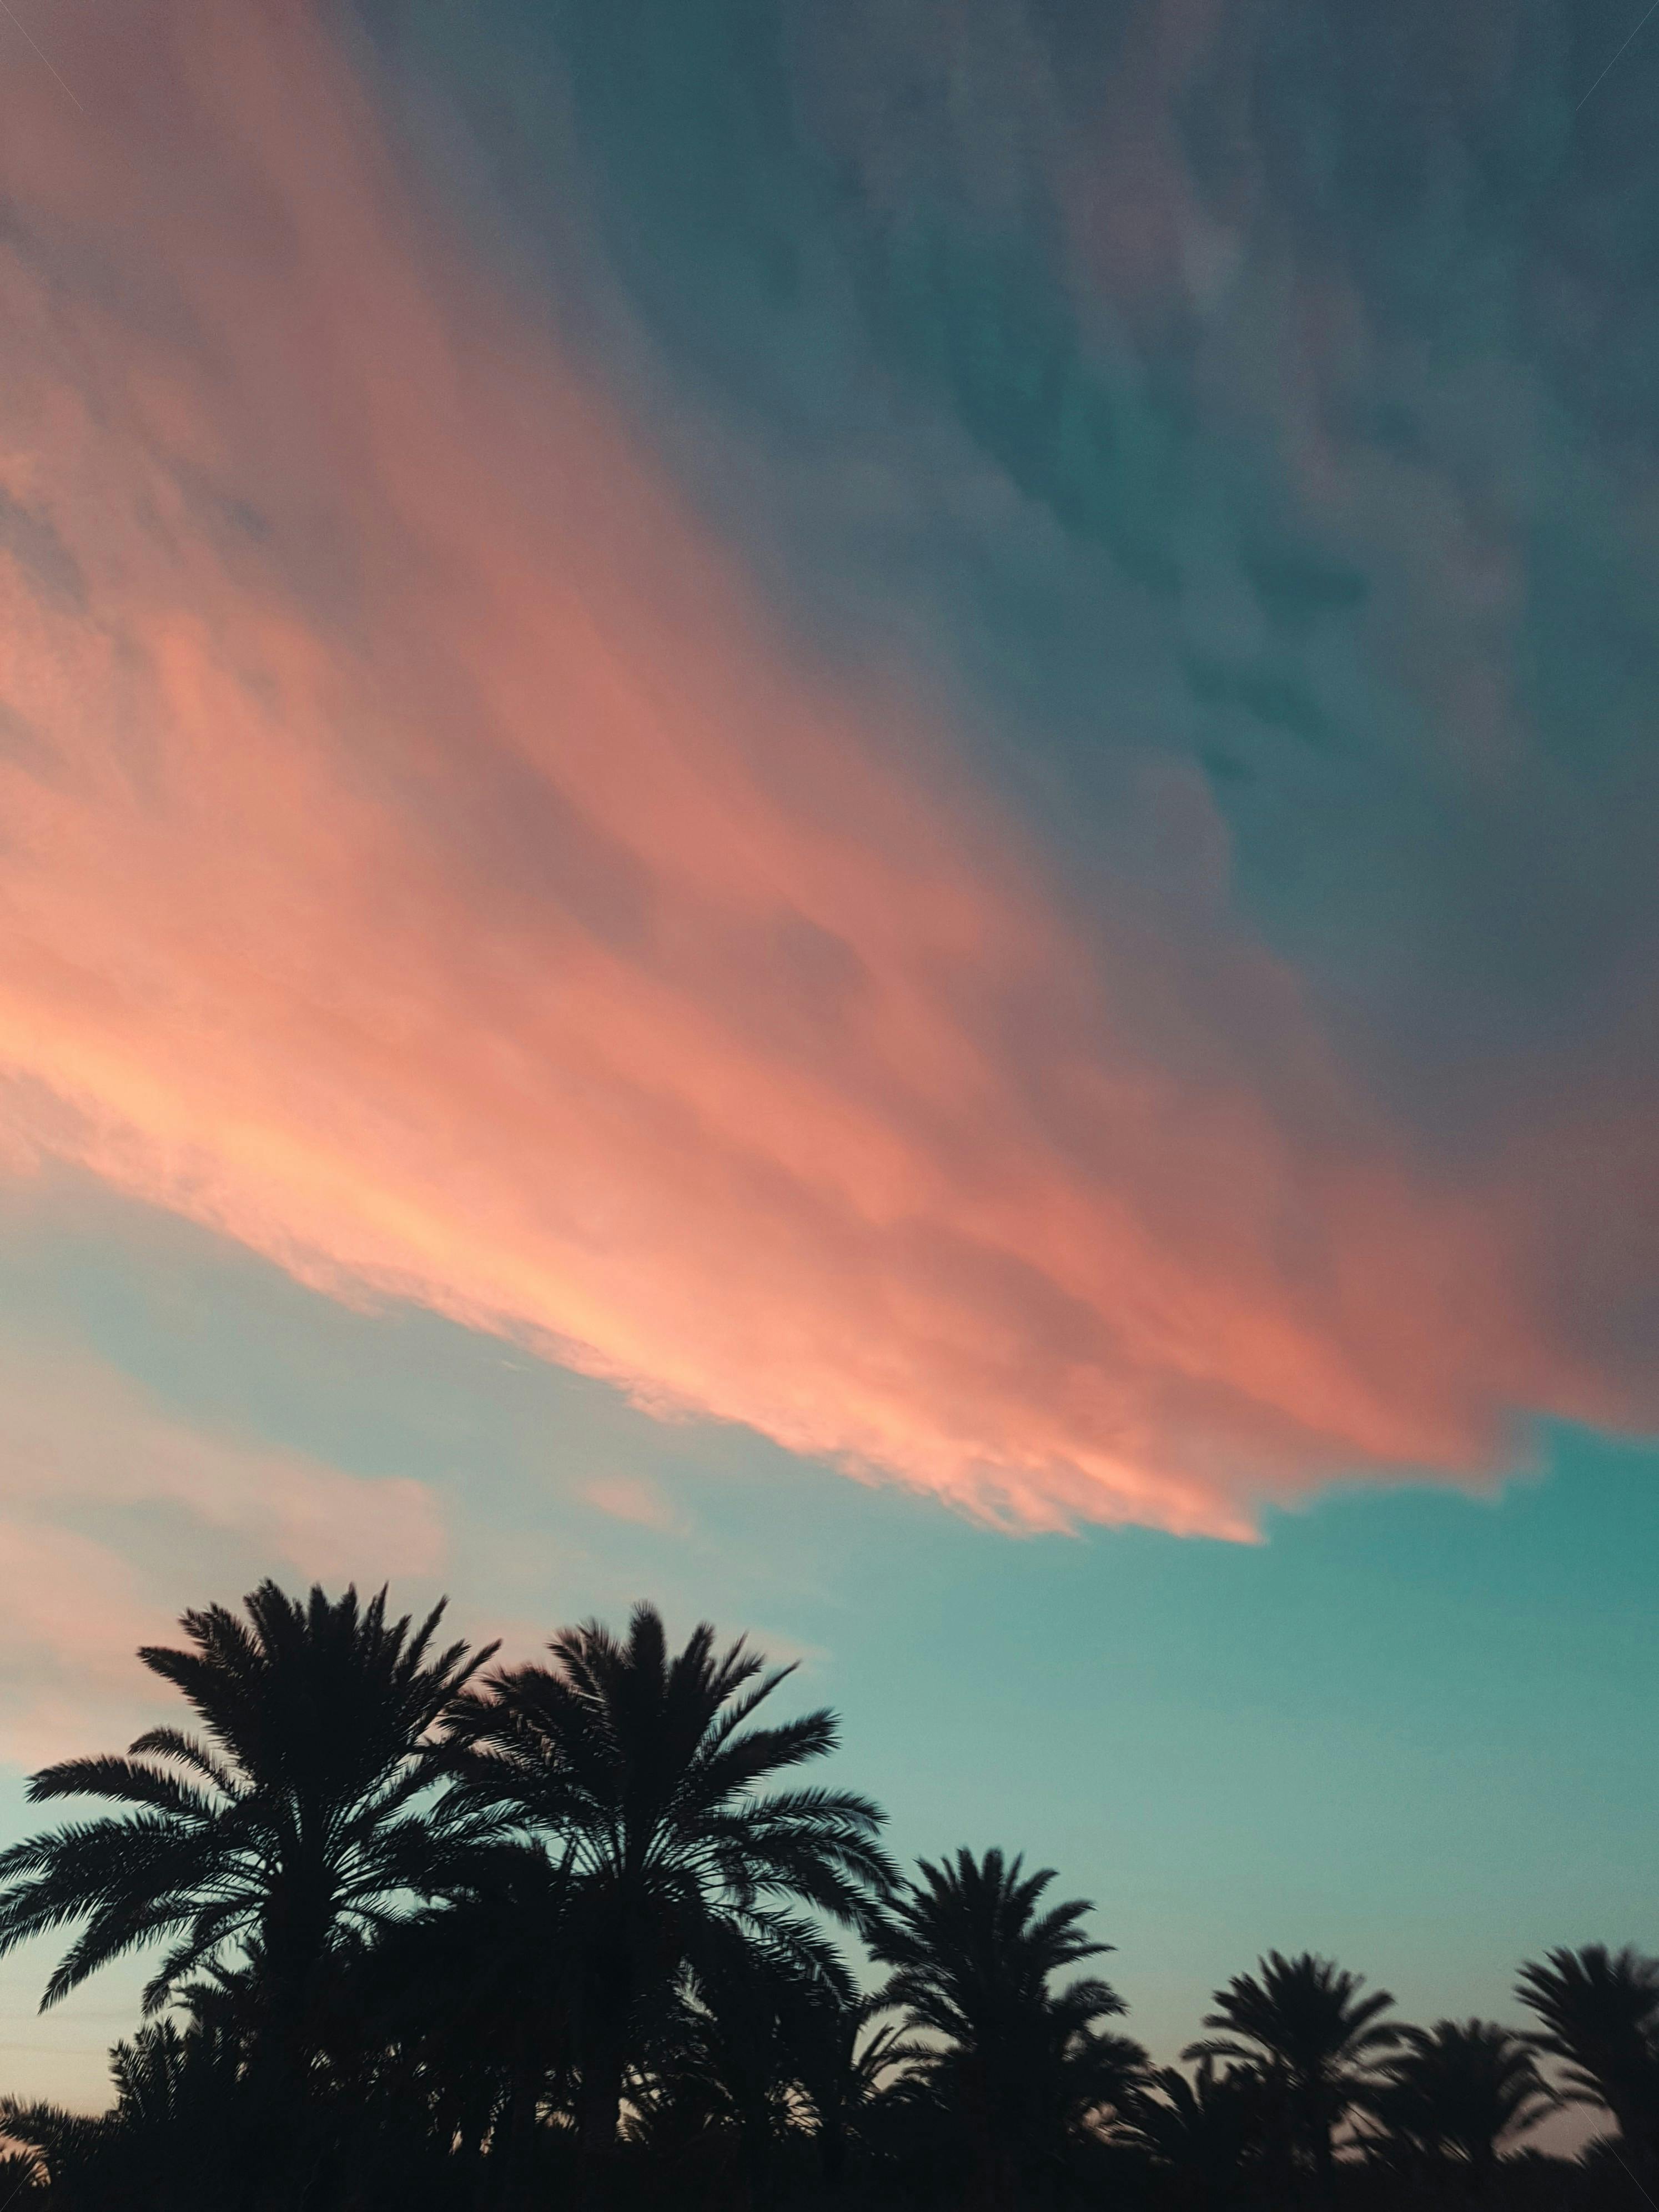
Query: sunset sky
point(846, 808)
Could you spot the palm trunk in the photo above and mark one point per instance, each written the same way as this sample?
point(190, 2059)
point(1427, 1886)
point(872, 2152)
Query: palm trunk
point(756, 2163)
point(996, 2178)
point(1636, 2152)
point(511, 2152)
point(598, 2113)
point(739, 2185)
point(289, 2119)
point(1324, 2171)
point(478, 2183)
point(284, 2123)
point(832, 2157)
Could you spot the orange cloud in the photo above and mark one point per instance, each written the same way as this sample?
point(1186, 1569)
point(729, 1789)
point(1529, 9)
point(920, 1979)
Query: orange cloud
point(425, 859)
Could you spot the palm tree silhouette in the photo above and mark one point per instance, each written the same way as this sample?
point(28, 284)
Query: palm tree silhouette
point(728, 2058)
point(1212, 2135)
point(845, 2054)
point(465, 2011)
point(1304, 2022)
point(169, 2141)
point(1455, 2095)
point(1600, 2013)
point(644, 1771)
point(1025, 2066)
point(301, 1825)
point(431, 1937)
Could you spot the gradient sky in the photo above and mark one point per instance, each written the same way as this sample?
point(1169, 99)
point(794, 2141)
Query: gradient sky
point(845, 811)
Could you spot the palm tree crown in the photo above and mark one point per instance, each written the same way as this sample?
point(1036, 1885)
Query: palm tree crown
point(1599, 2011)
point(1304, 2021)
point(299, 1823)
point(1458, 2091)
point(1028, 2065)
point(1209, 2133)
point(971, 1953)
point(642, 1771)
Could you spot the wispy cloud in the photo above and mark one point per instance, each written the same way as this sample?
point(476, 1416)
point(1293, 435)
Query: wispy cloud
point(632, 1499)
point(115, 1514)
point(78, 1613)
point(75, 1432)
point(430, 860)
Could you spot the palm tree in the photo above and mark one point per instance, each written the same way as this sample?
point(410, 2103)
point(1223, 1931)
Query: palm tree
point(843, 2060)
point(300, 1825)
point(1304, 2022)
point(1600, 2013)
point(170, 2139)
point(1213, 2134)
point(463, 2016)
point(23, 2177)
point(642, 1768)
point(1028, 2068)
point(1455, 2094)
point(725, 2069)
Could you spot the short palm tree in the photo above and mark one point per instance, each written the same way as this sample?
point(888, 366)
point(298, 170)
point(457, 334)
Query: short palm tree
point(1304, 2022)
point(642, 1771)
point(1025, 2066)
point(1599, 2012)
point(1454, 2094)
point(846, 2053)
point(725, 2067)
point(463, 2016)
point(299, 1823)
point(171, 2138)
point(1214, 2135)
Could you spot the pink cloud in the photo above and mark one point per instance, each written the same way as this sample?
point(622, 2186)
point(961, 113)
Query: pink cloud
point(114, 1514)
point(632, 1499)
point(79, 1611)
point(76, 1431)
point(425, 861)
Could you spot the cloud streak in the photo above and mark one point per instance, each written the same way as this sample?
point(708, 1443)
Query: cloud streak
point(427, 858)
point(114, 1513)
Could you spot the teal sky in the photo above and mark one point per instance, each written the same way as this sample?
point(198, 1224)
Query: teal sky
point(844, 809)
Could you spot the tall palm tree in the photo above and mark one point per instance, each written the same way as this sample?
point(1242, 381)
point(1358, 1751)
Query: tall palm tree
point(1455, 2094)
point(1304, 2021)
point(1027, 2067)
point(299, 1823)
point(642, 1768)
point(1599, 2011)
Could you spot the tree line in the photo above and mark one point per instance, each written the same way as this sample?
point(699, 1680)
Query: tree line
point(432, 1934)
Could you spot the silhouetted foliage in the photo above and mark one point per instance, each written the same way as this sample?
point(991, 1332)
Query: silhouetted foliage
point(1599, 2012)
point(646, 1769)
point(296, 1831)
point(1213, 2138)
point(569, 1934)
point(1302, 2025)
point(170, 2141)
point(1451, 2099)
point(1023, 2069)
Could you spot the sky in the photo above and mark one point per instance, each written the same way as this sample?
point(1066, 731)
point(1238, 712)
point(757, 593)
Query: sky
point(844, 813)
